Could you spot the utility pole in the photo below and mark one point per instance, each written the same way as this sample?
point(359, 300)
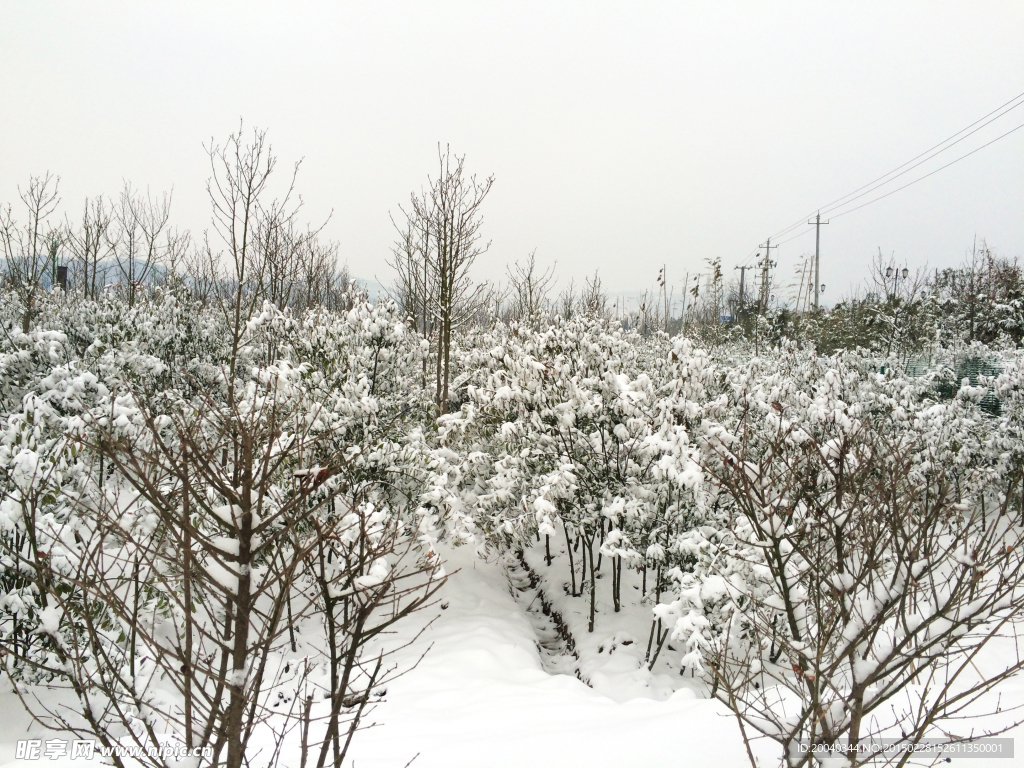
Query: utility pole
point(817, 256)
point(803, 284)
point(682, 316)
point(766, 264)
point(743, 271)
point(664, 288)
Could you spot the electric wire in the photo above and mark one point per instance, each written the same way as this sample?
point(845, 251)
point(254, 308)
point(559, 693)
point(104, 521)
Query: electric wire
point(922, 178)
point(871, 188)
point(928, 154)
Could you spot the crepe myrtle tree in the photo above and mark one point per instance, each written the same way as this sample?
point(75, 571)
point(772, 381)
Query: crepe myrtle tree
point(159, 574)
point(31, 242)
point(862, 575)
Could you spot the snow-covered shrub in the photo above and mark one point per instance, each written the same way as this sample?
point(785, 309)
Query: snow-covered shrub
point(862, 567)
point(565, 433)
point(169, 542)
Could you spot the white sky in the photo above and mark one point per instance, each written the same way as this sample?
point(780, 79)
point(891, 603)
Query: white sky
point(622, 135)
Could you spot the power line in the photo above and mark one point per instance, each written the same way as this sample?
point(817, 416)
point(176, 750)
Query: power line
point(752, 255)
point(947, 143)
point(892, 175)
point(928, 154)
point(908, 184)
point(802, 233)
point(932, 173)
point(831, 207)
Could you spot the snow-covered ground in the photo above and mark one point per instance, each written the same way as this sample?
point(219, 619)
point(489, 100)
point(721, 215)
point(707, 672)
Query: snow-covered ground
point(482, 697)
point(487, 694)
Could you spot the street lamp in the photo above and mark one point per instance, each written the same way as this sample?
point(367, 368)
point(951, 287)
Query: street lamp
point(896, 275)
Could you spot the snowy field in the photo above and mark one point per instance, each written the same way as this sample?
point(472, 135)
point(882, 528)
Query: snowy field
point(482, 697)
point(488, 692)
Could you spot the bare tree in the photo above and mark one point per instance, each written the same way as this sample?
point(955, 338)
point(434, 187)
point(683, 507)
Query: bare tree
point(593, 298)
point(90, 247)
point(528, 288)
point(170, 582)
point(568, 303)
point(247, 226)
point(281, 246)
point(366, 578)
point(414, 270)
point(441, 237)
point(178, 248)
point(31, 248)
point(881, 585)
point(202, 273)
point(134, 238)
point(322, 281)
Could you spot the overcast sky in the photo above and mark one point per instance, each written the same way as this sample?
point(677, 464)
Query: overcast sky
point(621, 135)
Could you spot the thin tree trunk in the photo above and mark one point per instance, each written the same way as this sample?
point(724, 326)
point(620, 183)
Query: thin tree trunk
point(133, 636)
point(359, 711)
point(572, 566)
point(243, 602)
point(187, 568)
point(593, 582)
point(305, 730)
point(617, 582)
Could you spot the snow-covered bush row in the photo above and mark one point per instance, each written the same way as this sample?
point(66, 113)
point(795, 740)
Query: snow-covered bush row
point(204, 557)
point(827, 542)
point(207, 527)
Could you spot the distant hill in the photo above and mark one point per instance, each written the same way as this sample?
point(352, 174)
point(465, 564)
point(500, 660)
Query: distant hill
point(375, 289)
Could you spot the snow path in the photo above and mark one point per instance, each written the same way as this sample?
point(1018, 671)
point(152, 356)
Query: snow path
point(613, 656)
point(554, 640)
point(485, 696)
point(482, 697)
point(491, 693)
